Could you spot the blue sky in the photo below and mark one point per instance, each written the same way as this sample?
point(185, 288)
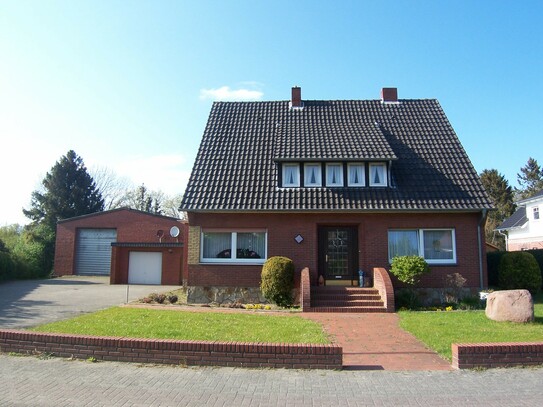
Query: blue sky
point(128, 85)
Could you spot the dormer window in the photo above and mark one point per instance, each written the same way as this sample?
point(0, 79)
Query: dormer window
point(334, 175)
point(312, 175)
point(291, 175)
point(378, 175)
point(356, 175)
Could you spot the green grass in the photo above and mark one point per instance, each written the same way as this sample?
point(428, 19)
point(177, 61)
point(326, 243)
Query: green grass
point(209, 326)
point(438, 330)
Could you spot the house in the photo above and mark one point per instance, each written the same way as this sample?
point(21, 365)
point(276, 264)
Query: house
point(523, 230)
point(338, 186)
point(128, 245)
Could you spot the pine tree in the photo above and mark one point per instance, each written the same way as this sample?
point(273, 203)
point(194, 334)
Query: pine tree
point(501, 195)
point(68, 191)
point(530, 179)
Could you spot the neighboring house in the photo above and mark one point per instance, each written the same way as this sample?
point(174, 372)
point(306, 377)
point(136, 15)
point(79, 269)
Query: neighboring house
point(523, 230)
point(128, 245)
point(338, 186)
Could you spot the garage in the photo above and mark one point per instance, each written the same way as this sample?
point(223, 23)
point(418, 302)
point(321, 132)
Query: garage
point(145, 268)
point(93, 251)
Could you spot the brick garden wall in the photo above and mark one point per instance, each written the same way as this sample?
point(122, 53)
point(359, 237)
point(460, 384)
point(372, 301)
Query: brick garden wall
point(372, 240)
point(172, 352)
point(490, 355)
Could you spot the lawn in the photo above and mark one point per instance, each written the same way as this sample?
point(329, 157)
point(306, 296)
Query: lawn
point(184, 325)
point(438, 330)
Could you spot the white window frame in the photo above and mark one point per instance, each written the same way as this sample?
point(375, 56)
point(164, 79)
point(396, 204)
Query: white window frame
point(338, 183)
point(307, 182)
point(233, 247)
point(384, 182)
point(296, 182)
point(420, 235)
point(535, 212)
point(361, 183)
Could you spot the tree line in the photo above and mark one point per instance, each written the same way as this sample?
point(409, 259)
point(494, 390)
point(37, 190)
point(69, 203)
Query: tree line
point(503, 196)
point(68, 190)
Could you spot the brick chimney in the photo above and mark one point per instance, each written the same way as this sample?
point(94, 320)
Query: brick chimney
point(296, 100)
point(389, 95)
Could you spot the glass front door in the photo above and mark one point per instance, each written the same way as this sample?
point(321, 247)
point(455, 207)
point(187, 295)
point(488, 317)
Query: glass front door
point(338, 252)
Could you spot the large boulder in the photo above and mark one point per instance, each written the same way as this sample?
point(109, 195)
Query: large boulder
point(510, 305)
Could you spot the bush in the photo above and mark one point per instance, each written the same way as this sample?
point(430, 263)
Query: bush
point(519, 270)
point(407, 299)
point(278, 280)
point(493, 264)
point(172, 298)
point(409, 269)
point(7, 266)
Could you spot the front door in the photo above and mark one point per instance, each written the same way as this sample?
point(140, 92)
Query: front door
point(338, 253)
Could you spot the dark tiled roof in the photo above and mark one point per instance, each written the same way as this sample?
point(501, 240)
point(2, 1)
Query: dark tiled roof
point(236, 167)
point(516, 220)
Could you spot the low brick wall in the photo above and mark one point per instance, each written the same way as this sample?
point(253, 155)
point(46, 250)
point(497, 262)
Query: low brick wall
point(172, 352)
point(488, 355)
point(382, 282)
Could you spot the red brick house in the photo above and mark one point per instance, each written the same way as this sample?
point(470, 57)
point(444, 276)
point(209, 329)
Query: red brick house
point(130, 246)
point(338, 186)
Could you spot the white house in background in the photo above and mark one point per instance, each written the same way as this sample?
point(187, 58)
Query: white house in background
point(523, 230)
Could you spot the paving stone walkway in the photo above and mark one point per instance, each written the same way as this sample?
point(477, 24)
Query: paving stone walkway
point(55, 382)
point(374, 341)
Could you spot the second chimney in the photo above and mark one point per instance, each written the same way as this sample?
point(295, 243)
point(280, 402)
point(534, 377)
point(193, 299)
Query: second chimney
point(389, 95)
point(296, 100)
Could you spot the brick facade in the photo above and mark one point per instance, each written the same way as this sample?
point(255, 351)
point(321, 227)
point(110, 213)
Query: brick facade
point(132, 226)
point(372, 242)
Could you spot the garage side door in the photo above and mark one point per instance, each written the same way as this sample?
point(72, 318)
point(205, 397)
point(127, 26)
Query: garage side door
point(93, 251)
point(145, 268)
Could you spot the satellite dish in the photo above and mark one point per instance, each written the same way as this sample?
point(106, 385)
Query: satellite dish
point(174, 231)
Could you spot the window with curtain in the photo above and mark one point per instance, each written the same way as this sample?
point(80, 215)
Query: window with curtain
point(291, 175)
point(357, 174)
point(403, 243)
point(436, 246)
point(334, 175)
point(378, 175)
point(238, 246)
point(312, 175)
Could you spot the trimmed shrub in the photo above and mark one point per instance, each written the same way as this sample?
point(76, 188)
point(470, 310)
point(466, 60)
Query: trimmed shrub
point(278, 280)
point(519, 270)
point(493, 264)
point(409, 269)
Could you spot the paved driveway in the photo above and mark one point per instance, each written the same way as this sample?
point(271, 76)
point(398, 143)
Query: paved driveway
point(33, 302)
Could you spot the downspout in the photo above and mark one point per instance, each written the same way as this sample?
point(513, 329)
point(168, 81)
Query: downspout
point(479, 241)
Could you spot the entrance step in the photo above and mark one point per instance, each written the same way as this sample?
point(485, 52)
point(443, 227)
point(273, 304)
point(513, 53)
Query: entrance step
point(346, 299)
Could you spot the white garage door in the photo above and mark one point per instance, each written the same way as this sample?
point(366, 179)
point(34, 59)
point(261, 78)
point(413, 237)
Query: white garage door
point(145, 268)
point(93, 251)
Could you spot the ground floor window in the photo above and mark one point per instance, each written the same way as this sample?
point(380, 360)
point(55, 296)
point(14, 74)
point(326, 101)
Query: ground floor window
point(245, 246)
point(437, 246)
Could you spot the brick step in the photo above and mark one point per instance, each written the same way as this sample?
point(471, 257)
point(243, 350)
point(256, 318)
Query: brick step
point(348, 309)
point(347, 303)
point(346, 299)
point(332, 289)
point(342, 297)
